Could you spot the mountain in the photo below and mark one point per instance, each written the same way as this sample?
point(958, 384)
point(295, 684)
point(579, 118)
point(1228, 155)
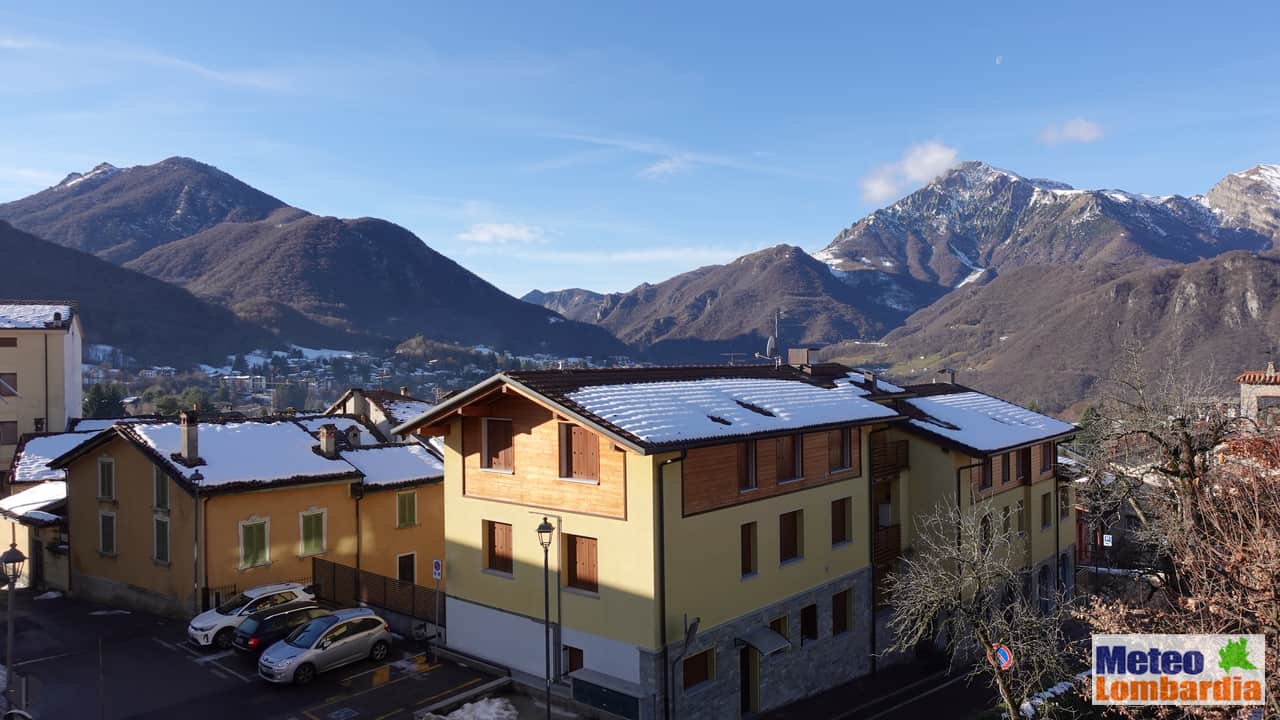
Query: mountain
point(1249, 199)
point(1050, 346)
point(573, 303)
point(720, 308)
point(120, 213)
point(975, 221)
point(149, 319)
point(330, 280)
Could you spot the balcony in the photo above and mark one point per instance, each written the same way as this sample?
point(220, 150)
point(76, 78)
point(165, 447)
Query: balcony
point(887, 545)
point(887, 459)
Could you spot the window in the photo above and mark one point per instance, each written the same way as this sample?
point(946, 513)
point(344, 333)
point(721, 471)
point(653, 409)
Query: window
point(808, 623)
point(841, 609)
point(581, 563)
point(1047, 456)
point(160, 491)
point(107, 533)
point(498, 553)
point(788, 451)
point(1046, 509)
point(779, 625)
point(160, 525)
point(986, 529)
point(747, 466)
point(790, 546)
point(579, 453)
point(1064, 502)
point(312, 523)
point(1024, 464)
point(839, 449)
point(986, 474)
point(8, 342)
point(9, 432)
point(1004, 468)
point(1007, 520)
point(698, 669)
point(748, 543)
point(407, 567)
point(573, 658)
point(406, 509)
point(106, 479)
point(253, 543)
point(841, 521)
point(1021, 512)
point(498, 452)
point(9, 384)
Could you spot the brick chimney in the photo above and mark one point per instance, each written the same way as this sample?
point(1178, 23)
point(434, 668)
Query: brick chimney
point(1271, 368)
point(353, 436)
point(329, 441)
point(404, 390)
point(189, 423)
point(798, 357)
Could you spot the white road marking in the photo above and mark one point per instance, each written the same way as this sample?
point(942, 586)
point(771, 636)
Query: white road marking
point(215, 657)
point(220, 675)
point(47, 657)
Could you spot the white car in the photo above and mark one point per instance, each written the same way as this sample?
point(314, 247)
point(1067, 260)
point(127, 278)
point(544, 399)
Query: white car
point(218, 626)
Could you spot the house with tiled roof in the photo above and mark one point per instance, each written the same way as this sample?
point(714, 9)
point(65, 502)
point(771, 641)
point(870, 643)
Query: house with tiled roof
point(173, 516)
point(382, 408)
point(717, 534)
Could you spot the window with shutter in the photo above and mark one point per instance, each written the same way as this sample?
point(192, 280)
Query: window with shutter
point(574, 657)
point(698, 669)
point(749, 555)
point(1004, 468)
point(747, 465)
point(1024, 464)
point(808, 623)
point(312, 533)
point(840, 611)
point(839, 456)
point(498, 452)
point(160, 492)
point(498, 538)
point(841, 521)
point(253, 544)
point(161, 527)
point(106, 479)
point(986, 474)
point(788, 454)
point(579, 453)
point(789, 545)
point(406, 509)
point(1047, 456)
point(581, 563)
point(107, 533)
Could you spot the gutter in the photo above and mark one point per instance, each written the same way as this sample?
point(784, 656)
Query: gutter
point(662, 580)
point(872, 523)
point(47, 422)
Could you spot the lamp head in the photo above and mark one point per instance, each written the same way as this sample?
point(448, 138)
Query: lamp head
point(544, 533)
point(13, 560)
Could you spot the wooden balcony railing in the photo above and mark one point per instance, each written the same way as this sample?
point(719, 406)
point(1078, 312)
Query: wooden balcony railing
point(887, 459)
point(887, 545)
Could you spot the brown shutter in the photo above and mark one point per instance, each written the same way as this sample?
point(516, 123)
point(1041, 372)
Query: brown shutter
point(586, 453)
point(748, 554)
point(855, 449)
point(839, 526)
point(582, 560)
point(835, 448)
point(787, 531)
point(500, 547)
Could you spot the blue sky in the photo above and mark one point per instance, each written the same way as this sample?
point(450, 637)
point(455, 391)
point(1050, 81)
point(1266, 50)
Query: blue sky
point(561, 144)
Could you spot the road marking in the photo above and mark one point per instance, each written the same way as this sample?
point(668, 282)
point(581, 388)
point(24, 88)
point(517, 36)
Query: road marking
point(224, 668)
point(218, 674)
point(184, 647)
point(450, 691)
point(215, 657)
point(341, 698)
point(917, 698)
point(899, 691)
point(47, 657)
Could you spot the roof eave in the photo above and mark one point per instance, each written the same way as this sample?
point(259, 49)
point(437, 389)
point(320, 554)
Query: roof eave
point(972, 451)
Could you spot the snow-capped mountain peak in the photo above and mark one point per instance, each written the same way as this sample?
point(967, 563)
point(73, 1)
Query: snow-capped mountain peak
point(100, 172)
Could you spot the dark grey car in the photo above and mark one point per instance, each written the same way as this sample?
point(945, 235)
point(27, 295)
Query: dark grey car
point(326, 643)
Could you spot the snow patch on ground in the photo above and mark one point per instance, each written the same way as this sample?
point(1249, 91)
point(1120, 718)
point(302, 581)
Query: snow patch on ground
point(486, 709)
point(322, 353)
point(51, 595)
point(110, 612)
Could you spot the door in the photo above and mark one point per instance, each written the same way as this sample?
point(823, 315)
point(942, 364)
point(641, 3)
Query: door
point(334, 648)
point(36, 578)
point(406, 568)
point(748, 680)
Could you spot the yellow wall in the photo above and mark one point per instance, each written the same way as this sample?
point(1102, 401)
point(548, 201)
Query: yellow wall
point(33, 361)
point(382, 541)
point(282, 505)
point(133, 562)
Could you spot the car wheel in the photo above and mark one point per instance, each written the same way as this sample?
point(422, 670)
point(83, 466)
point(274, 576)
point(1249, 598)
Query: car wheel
point(379, 651)
point(223, 639)
point(304, 674)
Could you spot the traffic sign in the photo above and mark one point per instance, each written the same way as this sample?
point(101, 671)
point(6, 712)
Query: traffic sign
point(1106, 541)
point(437, 569)
point(1003, 656)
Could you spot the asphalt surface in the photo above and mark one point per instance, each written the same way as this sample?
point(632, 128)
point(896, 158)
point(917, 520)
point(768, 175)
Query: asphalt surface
point(87, 661)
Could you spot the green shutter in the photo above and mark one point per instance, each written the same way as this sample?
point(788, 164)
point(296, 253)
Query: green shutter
point(406, 509)
point(107, 533)
point(312, 533)
point(162, 539)
point(253, 544)
point(161, 490)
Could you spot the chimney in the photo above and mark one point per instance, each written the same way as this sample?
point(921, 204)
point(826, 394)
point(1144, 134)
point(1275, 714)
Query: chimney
point(1271, 368)
point(189, 423)
point(869, 377)
point(798, 357)
point(404, 390)
point(57, 318)
point(353, 436)
point(329, 441)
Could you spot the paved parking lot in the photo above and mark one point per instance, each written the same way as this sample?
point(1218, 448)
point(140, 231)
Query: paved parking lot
point(85, 661)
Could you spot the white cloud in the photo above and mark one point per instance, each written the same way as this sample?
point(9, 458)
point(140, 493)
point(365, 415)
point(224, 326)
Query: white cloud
point(10, 42)
point(671, 160)
point(668, 166)
point(501, 234)
point(919, 164)
point(1075, 130)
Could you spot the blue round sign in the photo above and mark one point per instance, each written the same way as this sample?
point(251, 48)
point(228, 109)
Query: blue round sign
point(1004, 657)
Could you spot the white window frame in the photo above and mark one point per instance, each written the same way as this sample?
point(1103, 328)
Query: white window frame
point(107, 461)
point(115, 533)
point(484, 445)
point(168, 538)
point(324, 531)
point(414, 493)
point(415, 566)
point(266, 540)
point(158, 479)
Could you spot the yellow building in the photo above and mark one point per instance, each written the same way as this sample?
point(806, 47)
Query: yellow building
point(40, 348)
point(171, 517)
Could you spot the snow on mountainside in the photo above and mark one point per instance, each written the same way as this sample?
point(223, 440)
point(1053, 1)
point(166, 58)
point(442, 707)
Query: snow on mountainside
point(1249, 199)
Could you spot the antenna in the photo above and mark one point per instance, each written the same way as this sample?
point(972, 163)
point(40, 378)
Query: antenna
point(733, 356)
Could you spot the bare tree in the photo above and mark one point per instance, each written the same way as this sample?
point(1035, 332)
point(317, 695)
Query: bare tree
point(963, 585)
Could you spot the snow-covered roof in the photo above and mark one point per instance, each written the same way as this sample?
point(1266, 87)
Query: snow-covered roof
point(31, 463)
point(313, 425)
point(100, 424)
point(983, 422)
point(29, 316)
point(664, 412)
point(395, 464)
point(37, 502)
point(401, 410)
point(248, 452)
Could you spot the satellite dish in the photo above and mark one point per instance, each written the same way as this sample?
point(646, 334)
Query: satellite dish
point(771, 346)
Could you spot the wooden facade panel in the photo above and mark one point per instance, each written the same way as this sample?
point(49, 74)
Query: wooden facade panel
point(536, 460)
point(711, 473)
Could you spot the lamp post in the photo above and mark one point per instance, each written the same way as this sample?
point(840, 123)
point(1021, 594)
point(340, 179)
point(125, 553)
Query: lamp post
point(12, 560)
point(544, 537)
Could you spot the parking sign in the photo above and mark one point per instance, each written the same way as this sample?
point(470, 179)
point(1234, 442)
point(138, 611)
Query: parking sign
point(437, 569)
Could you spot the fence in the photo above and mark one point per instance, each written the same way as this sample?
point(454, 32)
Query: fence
point(345, 585)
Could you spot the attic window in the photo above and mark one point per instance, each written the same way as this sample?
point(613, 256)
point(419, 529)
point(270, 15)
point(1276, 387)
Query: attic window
point(718, 419)
point(755, 408)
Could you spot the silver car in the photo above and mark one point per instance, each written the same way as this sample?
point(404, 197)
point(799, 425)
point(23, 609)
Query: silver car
point(326, 643)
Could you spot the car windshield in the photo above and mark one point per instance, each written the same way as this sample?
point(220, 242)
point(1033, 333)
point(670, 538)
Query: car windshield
point(233, 606)
point(307, 635)
point(248, 626)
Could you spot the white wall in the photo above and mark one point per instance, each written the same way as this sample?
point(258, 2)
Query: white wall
point(73, 383)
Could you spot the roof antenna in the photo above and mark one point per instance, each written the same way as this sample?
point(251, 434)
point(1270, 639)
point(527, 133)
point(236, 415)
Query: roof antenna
point(771, 345)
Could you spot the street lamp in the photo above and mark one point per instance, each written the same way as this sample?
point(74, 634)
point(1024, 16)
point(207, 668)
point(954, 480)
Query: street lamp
point(12, 560)
point(544, 537)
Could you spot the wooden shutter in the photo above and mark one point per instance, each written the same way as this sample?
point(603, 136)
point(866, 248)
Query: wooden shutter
point(500, 547)
point(835, 448)
point(498, 451)
point(839, 521)
point(748, 549)
point(584, 453)
point(809, 623)
point(697, 669)
point(787, 532)
point(575, 657)
point(585, 563)
point(788, 448)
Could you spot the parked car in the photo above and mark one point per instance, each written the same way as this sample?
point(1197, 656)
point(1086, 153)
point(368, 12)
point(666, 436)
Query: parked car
point(342, 637)
point(264, 628)
point(218, 626)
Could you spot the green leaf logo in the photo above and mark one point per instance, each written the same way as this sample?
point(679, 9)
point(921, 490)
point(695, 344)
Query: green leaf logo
point(1235, 655)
